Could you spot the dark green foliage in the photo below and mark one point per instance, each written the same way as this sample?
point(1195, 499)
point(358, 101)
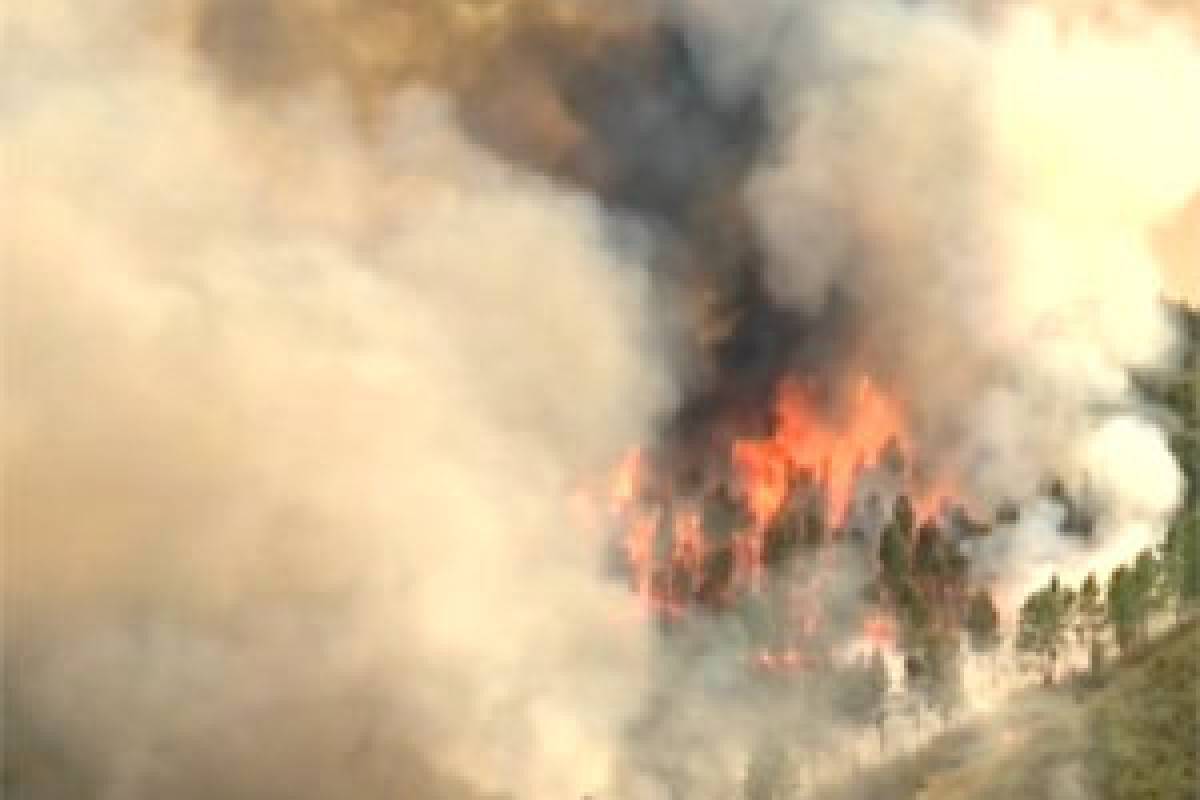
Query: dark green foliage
point(983, 622)
point(1122, 614)
point(928, 560)
point(894, 543)
point(1127, 605)
point(1181, 559)
point(944, 662)
point(722, 517)
point(1042, 626)
point(957, 564)
point(718, 572)
point(1090, 621)
point(913, 612)
point(933, 670)
point(783, 539)
point(1146, 577)
point(815, 529)
point(1090, 608)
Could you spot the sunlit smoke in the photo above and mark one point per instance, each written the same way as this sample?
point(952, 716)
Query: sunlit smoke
point(383, 379)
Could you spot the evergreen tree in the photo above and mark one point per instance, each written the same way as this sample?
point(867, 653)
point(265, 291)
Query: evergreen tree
point(934, 671)
point(1123, 607)
point(913, 611)
point(893, 546)
point(1147, 594)
point(1181, 560)
point(1091, 619)
point(957, 569)
point(927, 554)
point(904, 516)
point(1043, 622)
point(784, 538)
point(983, 622)
point(1091, 608)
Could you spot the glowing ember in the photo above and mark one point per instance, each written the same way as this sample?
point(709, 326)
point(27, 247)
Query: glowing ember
point(880, 630)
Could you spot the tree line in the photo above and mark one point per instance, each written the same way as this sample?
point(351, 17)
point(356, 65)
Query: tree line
point(1119, 611)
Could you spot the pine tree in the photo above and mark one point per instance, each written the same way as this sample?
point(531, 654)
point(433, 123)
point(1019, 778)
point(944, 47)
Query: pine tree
point(957, 569)
point(1091, 621)
point(929, 568)
point(1123, 607)
point(1043, 621)
point(983, 622)
point(1147, 590)
point(893, 546)
point(913, 611)
point(934, 671)
point(1181, 561)
point(927, 554)
point(1091, 608)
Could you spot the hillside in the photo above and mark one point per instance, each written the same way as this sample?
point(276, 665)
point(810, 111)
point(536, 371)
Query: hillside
point(1136, 737)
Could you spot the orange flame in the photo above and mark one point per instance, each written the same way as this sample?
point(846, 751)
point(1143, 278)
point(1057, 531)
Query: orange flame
point(627, 480)
point(805, 443)
point(804, 447)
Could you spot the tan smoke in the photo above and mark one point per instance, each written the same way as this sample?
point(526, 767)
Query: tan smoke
point(302, 355)
point(1178, 247)
point(498, 59)
point(289, 418)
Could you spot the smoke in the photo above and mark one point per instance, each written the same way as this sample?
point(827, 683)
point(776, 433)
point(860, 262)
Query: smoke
point(316, 311)
point(991, 216)
point(290, 418)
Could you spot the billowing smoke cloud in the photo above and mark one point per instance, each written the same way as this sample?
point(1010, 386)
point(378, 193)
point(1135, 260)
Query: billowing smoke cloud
point(290, 420)
point(988, 198)
point(315, 311)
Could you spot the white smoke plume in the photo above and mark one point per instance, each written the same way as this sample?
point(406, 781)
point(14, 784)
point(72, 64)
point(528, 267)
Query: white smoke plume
point(289, 423)
point(990, 193)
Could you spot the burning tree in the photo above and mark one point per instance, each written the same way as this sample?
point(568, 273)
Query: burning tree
point(775, 527)
point(772, 523)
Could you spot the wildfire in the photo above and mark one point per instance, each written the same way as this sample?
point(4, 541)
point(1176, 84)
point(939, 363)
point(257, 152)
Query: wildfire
point(679, 553)
point(831, 454)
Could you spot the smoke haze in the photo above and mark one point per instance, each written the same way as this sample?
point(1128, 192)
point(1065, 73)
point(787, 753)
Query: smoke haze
point(288, 423)
point(315, 313)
